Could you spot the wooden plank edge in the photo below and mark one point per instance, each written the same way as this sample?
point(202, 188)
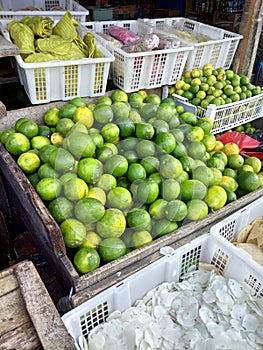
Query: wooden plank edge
point(43, 313)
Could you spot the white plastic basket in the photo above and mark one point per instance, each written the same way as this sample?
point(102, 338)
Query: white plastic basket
point(228, 116)
point(63, 80)
point(142, 70)
point(228, 228)
point(219, 51)
point(11, 9)
point(82, 319)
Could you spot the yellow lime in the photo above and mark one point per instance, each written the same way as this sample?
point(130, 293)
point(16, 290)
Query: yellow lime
point(216, 197)
point(73, 231)
point(195, 134)
point(229, 183)
point(86, 260)
point(89, 210)
point(97, 193)
point(84, 116)
point(196, 209)
point(17, 143)
point(49, 188)
point(61, 209)
point(90, 170)
point(230, 148)
point(209, 140)
point(112, 224)
point(143, 93)
point(111, 249)
point(56, 138)
point(29, 162)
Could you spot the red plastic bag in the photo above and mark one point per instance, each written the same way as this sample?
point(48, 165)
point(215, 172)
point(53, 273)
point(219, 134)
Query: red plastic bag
point(243, 141)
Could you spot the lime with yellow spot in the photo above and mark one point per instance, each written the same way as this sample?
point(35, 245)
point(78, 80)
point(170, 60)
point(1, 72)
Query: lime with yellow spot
point(29, 162)
point(216, 197)
point(107, 182)
point(97, 193)
point(254, 162)
point(209, 140)
point(92, 240)
point(51, 117)
point(110, 132)
point(170, 167)
point(64, 125)
point(119, 96)
point(195, 134)
point(75, 189)
point(229, 183)
point(230, 148)
point(157, 208)
point(89, 210)
point(49, 188)
point(86, 260)
point(73, 231)
point(112, 224)
point(141, 238)
point(154, 99)
point(111, 248)
point(143, 93)
point(56, 138)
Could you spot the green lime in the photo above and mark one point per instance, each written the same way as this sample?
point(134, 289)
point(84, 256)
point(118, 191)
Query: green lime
point(163, 227)
point(103, 113)
point(170, 189)
point(157, 208)
point(120, 198)
point(166, 142)
point(110, 132)
point(216, 197)
point(112, 224)
point(117, 165)
point(67, 111)
point(196, 209)
point(203, 174)
point(89, 210)
point(139, 219)
point(126, 126)
point(61, 209)
point(86, 260)
point(27, 127)
point(141, 238)
point(17, 143)
point(120, 109)
point(4, 135)
point(78, 102)
point(49, 188)
point(51, 117)
point(248, 181)
point(61, 160)
point(144, 131)
point(79, 144)
point(46, 170)
point(151, 164)
point(136, 171)
point(106, 151)
point(119, 96)
point(75, 189)
point(148, 191)
point(192, 189)
point(176, 210)
point(107, 182)
point(90, 170)
point(111, 249)
point(145, 148)
point(170, 167)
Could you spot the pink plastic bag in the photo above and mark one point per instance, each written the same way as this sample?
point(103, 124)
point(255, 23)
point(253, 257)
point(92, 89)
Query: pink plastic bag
point(124, 35)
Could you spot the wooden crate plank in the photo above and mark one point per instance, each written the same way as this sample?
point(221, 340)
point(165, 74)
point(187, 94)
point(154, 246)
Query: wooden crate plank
point(43, 313)
point(8, 284)
point(22, 338)
point(12, 311)
point(7, 48)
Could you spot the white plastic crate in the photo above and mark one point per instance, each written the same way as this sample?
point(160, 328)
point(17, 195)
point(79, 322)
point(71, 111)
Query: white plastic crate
point(228, 228)
point(63, 80)
point(219, 51)
point(82, 319)
point(11, 9)
point(142, 70)
point(228, 116)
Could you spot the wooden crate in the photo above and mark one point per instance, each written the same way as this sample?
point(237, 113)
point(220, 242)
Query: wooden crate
point(28, 318)
point(48, 236)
